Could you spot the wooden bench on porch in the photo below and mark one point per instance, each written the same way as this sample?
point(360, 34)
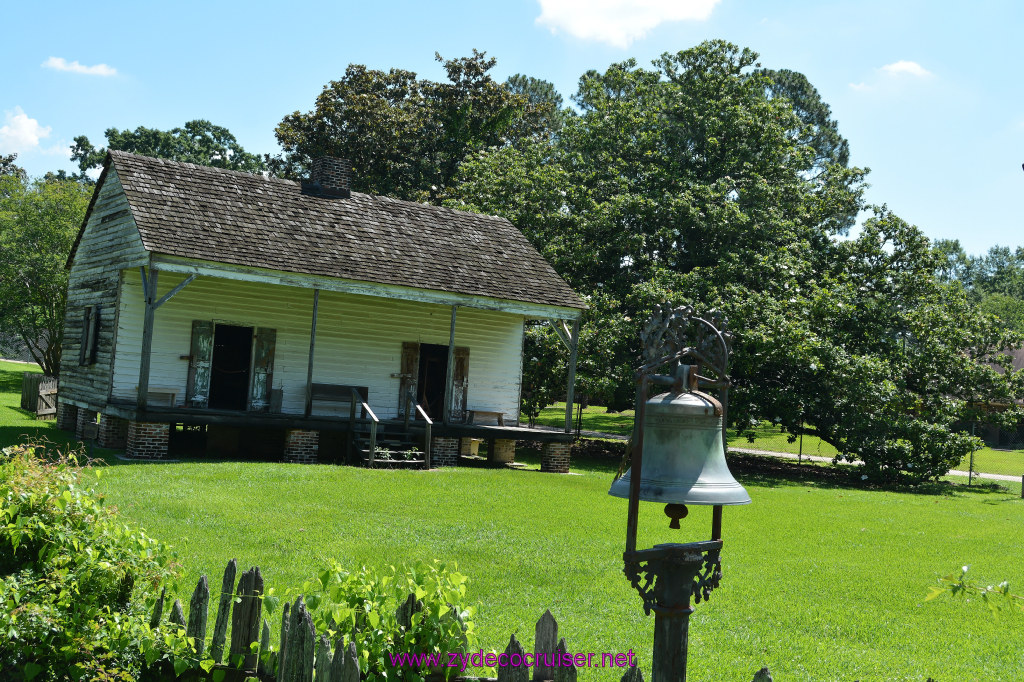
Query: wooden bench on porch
point(338, 393)
point(474, 416)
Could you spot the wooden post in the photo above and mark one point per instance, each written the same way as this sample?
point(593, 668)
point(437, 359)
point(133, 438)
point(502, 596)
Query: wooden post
point(571, 384)
point(149, 290)
point(426, 448)
point(312, 347)
point(449, 378)
point(373, 441)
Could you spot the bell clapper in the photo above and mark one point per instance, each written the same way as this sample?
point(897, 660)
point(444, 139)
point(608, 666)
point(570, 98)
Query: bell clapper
point(676, 512)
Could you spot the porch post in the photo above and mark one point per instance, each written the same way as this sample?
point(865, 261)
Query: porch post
point(149, 292)
point(449, 378)
point(574, 342)
point(312, 347)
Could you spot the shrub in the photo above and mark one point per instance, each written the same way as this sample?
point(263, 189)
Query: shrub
point(363, 604)
point(76, 584)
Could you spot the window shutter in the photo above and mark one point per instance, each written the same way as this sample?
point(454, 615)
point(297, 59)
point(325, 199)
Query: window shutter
point(460, 385)
point(409, 373)
point(83, 348)
point(262, 369)
point(94, 334)
point(197, 392)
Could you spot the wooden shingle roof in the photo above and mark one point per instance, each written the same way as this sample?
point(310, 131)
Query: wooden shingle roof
point(213, 214)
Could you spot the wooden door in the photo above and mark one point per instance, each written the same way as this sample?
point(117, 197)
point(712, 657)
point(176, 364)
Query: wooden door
point(197, 391)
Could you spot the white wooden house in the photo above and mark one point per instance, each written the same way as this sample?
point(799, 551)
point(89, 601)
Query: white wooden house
point(231, 303)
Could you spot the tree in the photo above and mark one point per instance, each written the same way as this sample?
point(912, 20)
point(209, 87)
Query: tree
point(198, 141)
point(406, 137)
point(702, 182)
point(9, 167)
point(38, 223)
point(819, 130)
point(544, 106)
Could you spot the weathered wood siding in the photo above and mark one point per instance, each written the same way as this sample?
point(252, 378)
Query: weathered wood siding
point(109, 244)
point(358, 342)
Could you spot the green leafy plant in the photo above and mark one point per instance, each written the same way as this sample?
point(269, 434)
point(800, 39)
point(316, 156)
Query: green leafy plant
point(362, 605)
point(959, 585)
point(76, 583)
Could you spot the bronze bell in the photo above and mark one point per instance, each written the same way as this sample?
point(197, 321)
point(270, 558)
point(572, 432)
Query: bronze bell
point(683, 453)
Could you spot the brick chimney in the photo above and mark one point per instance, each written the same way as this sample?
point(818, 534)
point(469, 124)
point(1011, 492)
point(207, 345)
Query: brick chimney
point(329, 177)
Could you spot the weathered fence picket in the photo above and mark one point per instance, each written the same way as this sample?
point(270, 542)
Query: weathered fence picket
point(198, 608)
point(302, 655)
point(545, 641)
point(220, 627)
point(246, 618)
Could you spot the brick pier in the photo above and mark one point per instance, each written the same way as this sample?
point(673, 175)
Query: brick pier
point(147, 440)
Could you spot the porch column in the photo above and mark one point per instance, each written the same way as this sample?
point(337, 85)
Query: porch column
point(149, 294)
point(574, 342)
point(152, 303)
point(449, 378)
point(312, 347)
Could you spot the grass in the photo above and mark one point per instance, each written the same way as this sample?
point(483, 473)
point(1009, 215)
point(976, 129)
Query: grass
point(1008, 462)
point(823, 581)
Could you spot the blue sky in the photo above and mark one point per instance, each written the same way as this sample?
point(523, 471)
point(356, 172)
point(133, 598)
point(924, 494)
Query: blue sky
point(928, 93)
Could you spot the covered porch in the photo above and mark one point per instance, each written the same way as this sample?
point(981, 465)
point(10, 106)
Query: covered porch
point(323, 361)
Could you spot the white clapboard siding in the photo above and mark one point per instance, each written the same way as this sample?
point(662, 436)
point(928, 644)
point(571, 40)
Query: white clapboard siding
point(109, 243)
point(359, 340)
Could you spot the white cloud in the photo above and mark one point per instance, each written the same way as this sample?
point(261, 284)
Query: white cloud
point(860, 87)
point(618, 22)
point(903, 67)
point(20, 133)
point(61, 64)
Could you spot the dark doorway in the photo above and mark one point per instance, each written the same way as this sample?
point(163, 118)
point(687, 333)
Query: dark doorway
point(431, 380)
point(229, 371)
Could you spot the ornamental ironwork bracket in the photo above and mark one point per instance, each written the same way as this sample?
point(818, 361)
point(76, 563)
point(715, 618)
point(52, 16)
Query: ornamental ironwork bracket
point(668, 575)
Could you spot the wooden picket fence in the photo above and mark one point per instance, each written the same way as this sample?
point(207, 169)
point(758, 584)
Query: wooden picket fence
point(301, 654)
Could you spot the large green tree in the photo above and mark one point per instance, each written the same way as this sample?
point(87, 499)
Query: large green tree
point(198, 141)
point(405, 136)
point(38, 223)
point(710, 182)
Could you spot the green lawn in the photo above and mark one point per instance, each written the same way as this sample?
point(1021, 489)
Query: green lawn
point(822, 581)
